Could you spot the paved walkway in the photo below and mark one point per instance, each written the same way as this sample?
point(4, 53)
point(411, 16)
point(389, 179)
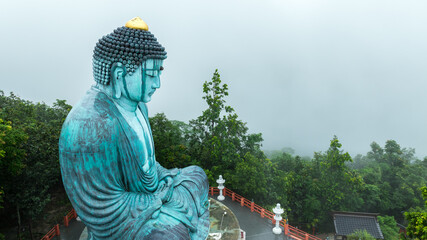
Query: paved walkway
point(72, 232)
point(256, 228)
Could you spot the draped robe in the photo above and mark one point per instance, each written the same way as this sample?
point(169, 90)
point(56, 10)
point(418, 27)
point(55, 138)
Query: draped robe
point(102, 161)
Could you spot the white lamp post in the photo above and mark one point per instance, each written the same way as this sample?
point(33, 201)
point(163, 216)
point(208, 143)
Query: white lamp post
point(220, 182)
point(278, 211)
point(225, 213)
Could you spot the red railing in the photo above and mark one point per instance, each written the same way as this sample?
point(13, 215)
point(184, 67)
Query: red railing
point(55, 230)
point(52, 233)
point(289, 230)
point(70, 215)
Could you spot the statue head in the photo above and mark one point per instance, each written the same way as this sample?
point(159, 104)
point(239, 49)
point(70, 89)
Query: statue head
point(138, 86)
point(130, 59)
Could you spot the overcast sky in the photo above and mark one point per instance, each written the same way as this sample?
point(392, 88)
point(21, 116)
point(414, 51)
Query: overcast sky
point(298, 71)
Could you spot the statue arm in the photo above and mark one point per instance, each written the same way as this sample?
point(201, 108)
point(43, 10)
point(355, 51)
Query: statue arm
point(99, 196)
point(163, 172)
point(93, 176)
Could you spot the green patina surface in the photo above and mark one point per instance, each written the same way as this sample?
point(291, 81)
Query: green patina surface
point(107, 157)
point(229, 229)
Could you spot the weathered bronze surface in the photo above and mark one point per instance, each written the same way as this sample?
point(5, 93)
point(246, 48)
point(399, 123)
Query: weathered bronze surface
point(107, 156)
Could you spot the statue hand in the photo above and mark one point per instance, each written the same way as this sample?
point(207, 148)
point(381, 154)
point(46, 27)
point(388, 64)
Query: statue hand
point(165, 189)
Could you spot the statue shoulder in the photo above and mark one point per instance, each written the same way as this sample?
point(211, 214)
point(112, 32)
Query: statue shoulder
point(91, 124)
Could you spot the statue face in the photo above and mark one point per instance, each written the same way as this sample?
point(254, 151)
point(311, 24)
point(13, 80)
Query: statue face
point(141, 85)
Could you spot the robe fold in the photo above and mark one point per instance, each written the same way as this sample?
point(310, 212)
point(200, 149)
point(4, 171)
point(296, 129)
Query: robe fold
point(102, 161)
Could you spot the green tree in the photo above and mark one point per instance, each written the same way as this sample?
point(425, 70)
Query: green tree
point(218, 139)
point(311, 189)
point(389, 227)
point(278, 153)
point(417, 220)
point(304, 202)
point(169, 142)
point(338, 186)
point(393, 154)
point(11, 155)
point(11, 152)
point(360, 235)
point(255, 186)
point(393, 177)
point(376, 153)
point(36, 129)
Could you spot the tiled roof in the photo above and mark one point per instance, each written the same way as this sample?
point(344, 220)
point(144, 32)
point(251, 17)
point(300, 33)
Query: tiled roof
point(348, 223)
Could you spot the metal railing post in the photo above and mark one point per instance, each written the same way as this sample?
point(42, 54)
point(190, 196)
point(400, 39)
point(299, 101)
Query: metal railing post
point(66, 220)
point(57, 230)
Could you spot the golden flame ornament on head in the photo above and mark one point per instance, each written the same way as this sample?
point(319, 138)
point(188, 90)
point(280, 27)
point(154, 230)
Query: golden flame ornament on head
point(137, 23)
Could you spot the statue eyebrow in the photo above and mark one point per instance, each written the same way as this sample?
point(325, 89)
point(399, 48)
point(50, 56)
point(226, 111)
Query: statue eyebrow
point(154, 69)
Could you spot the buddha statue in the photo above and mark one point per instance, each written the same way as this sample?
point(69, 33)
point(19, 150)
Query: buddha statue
point(106, 150)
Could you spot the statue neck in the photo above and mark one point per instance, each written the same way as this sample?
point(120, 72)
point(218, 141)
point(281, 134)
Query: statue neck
point(123, 102)
point(126, 104)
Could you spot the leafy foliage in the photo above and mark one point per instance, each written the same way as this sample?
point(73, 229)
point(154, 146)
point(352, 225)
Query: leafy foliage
point(360, 235)
point(217, 139)
point(389, 227)
point(386, 180)
point(29, 165)
point(417, 220)
point(256, 185)
point(338, 185)
point(170, 148)
point(392, 178)
point(314, 188)
point(11, 152)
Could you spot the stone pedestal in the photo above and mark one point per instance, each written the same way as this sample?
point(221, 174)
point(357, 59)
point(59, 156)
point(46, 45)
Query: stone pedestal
point(223, 226)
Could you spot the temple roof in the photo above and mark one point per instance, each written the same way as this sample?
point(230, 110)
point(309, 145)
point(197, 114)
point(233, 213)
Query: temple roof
point(347, 223)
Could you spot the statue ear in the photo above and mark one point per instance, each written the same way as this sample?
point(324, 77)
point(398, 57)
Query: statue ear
point(118, 71)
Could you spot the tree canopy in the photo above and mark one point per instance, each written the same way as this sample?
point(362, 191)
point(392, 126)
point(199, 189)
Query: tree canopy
point(29, 163)
point(417, 219)
point(385, 180)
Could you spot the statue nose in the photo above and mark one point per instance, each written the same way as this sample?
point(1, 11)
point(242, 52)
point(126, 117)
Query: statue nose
point(157, 82)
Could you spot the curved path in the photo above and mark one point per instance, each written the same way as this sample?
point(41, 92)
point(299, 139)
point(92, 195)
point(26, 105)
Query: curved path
point(256, 228)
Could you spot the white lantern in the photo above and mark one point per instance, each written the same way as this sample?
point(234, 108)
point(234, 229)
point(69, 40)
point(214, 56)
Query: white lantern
point(220, 182)
point(278, 211)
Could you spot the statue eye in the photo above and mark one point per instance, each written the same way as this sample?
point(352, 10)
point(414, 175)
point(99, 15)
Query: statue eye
point(152, 73)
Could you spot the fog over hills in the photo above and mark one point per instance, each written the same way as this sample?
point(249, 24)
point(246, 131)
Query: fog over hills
point(299, 72)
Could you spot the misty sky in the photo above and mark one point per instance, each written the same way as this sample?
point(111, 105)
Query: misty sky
point(298, 71)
